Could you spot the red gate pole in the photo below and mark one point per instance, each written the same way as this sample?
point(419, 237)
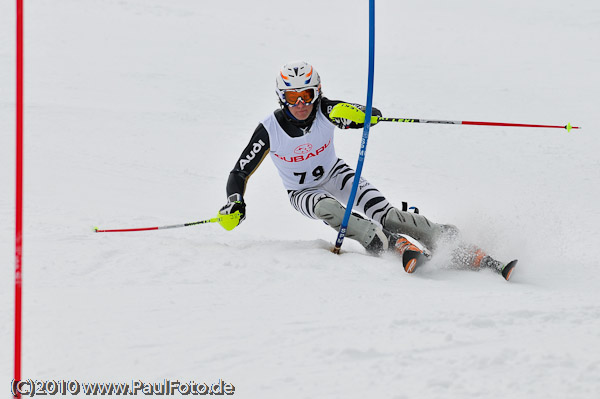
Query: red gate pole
point(19, 196)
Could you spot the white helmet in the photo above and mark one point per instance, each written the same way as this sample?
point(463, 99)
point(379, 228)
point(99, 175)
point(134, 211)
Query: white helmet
point(297, 76)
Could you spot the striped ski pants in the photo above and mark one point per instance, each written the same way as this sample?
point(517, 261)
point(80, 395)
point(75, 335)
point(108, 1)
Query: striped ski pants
point(338, 184)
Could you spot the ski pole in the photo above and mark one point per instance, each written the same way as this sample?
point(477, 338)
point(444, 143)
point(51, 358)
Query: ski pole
point(568, 126)
point(349, 111)
point(222, 219)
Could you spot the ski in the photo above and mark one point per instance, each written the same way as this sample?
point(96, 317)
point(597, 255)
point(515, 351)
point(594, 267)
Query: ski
point(412, 256)
point(411, 260)
point(508, 269)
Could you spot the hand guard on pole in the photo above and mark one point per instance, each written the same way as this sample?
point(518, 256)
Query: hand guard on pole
point(235, 206)
point(346, 116)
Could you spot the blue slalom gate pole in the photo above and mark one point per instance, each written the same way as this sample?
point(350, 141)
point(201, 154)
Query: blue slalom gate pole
point(365, 136)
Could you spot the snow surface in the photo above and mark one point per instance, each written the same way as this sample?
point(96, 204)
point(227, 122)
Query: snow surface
point(136, 110)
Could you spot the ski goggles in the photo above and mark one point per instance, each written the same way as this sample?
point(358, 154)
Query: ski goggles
point(307, 96)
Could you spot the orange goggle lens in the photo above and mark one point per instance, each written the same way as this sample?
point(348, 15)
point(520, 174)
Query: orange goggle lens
point(306, 96)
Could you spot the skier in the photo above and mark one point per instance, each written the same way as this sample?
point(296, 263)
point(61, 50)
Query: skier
point(299, 138)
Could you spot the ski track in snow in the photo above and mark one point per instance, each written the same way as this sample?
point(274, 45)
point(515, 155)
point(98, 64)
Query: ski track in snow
point(135, 113)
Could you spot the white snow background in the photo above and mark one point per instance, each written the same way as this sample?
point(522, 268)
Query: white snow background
point(136, 111)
